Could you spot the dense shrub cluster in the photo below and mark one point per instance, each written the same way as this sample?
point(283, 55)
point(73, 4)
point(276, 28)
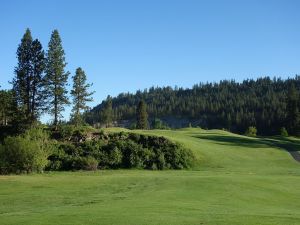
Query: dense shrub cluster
point(120, 150)
point(25, 153)
point(84, 148)
point(72, 133)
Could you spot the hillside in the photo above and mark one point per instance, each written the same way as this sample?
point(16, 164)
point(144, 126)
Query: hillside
point(227, 104)
point(237, 180)
point(217, 150)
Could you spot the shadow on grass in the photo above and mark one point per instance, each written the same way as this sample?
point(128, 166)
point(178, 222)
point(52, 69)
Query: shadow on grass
point(287, 144)
point(233, 140)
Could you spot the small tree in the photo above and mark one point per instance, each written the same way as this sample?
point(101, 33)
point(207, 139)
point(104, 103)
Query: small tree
point(283, 132)
point(251, 131)
point(107, 112)
point(141, 116)
point(159, 124)
point(80, 95)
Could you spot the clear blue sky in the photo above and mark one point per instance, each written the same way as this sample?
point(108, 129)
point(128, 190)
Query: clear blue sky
point(129, 45)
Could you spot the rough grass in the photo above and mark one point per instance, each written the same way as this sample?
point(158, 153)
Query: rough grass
point(237, 180)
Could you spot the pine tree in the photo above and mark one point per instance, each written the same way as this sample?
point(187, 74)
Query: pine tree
point(6, 102)
point(28, 82)
point(23, 74)
point(141, 116)
point(80, 95)
point(107, 114)
point(292, 109)
point(37, 82)
point(56, 77)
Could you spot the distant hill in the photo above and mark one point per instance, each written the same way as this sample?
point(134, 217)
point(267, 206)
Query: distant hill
point(228, 104)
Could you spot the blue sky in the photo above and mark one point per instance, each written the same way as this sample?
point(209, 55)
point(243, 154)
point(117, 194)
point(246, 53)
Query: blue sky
point(128, 45)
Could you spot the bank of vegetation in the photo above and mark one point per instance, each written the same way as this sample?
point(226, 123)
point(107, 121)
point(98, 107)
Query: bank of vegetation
point(84, 148)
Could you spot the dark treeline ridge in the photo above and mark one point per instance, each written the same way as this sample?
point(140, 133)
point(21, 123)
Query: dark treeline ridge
point(231, 105)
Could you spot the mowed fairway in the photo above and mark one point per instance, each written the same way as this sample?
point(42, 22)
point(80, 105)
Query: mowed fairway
point(236, 180)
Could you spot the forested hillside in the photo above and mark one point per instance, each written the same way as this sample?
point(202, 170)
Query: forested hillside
point(228, 104)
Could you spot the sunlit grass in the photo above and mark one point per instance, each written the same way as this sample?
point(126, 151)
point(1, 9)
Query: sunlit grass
point(237, 180)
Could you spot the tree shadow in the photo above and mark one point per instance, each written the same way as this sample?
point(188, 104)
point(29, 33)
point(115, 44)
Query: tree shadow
point(235, 140)
point(290, 145)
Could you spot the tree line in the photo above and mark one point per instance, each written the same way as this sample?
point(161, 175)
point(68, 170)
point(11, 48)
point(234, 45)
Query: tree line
point(265, 103)
point(40, 85)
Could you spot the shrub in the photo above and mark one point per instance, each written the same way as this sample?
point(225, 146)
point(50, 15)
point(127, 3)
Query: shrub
point(92, 148)
point(111, 156)
point(133, 155)
point(21, 154)
point(66, 131)
point(132, 126)
point(121, 150)
point(149, 158)
point(56, 159)
point(161, 162)
point(87, 163)
point(251, 132)
point(283, 132)
point(159, 124)
point(71, 149)
point(72, 133)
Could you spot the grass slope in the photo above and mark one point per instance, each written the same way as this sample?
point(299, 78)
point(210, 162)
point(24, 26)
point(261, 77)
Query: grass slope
point(237, 180)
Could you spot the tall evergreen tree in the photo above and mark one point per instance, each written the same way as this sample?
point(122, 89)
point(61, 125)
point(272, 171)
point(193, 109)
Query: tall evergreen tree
point(292, 109)
point(23, 74)
point(37, 82)
point(28, 82)
point(56, 77)
point(141, 116)
point(80, 94)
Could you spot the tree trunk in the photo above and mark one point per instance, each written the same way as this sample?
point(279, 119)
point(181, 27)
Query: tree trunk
point(55, 109)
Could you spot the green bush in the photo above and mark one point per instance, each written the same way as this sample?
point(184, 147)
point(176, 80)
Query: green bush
point(284, 132)
point(87, 163)
point(21, 154)
point(65, 132)
point(132, 155)
point(111, 157)
point(159, 124)
point(92, 148)
point(56, 159)
point(121, 150)
point(251, 131)
point(161, 162)
point(72, 132)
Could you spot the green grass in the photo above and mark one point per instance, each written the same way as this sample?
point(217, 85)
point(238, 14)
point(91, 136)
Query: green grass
point(236, 180)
